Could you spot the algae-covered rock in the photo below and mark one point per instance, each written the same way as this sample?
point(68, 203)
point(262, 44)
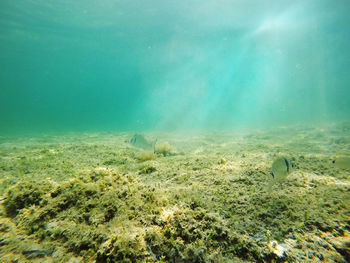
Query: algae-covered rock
point(84, 212)
point(123, 249)
point(209, 205)
point(25, 194)
point(194, 236)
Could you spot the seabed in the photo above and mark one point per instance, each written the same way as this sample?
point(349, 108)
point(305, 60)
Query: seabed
point(201, 197)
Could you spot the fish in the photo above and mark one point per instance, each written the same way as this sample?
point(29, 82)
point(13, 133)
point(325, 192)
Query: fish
point(342, 162)
point(280, 168)
point(140, 141)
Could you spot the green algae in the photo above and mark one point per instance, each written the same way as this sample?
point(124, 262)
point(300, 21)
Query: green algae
point(93, 200)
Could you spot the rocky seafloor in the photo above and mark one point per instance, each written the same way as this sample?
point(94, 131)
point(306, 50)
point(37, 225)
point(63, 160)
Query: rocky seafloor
point(201, 197)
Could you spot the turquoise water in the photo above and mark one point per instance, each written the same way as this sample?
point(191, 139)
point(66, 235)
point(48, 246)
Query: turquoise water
point(148, 65)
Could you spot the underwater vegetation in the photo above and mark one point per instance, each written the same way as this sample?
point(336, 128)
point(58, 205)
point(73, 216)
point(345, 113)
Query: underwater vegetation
point(96, 200)
point(165, 149)
point(146, 156)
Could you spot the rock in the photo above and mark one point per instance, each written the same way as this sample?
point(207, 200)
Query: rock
point(277, 249)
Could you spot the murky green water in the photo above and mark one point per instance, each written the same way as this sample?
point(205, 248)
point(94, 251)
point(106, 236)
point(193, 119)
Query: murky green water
point(127, 65)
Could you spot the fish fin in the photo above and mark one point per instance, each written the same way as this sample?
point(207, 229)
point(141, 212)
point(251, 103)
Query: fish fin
point(134, 139)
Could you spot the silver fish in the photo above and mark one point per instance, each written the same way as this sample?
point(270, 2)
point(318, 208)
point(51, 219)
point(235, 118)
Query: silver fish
point(140, 142)
point(342, 162)
point(280, 168)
